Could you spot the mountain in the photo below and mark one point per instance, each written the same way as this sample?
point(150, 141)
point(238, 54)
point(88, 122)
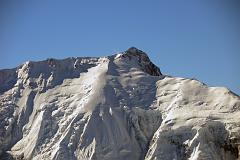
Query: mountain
point(119, 107)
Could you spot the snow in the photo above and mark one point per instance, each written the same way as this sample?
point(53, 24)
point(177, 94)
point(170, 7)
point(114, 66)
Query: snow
point(118, 55)
point(115, 107)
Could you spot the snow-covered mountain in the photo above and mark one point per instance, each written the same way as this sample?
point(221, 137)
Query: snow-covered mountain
point(119, 107)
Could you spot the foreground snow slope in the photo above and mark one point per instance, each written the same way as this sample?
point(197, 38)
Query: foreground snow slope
point(117, 107)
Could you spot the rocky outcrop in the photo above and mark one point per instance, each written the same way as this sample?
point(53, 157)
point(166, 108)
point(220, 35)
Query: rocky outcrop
point(144, 61)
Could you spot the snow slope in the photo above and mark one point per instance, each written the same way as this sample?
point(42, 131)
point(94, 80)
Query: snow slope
point(117, 107)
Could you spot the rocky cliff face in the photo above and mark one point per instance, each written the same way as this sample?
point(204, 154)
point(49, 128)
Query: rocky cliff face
point(117, 107)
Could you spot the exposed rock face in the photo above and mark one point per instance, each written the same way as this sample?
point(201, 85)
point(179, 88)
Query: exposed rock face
point(144, 61)
point(117, 107)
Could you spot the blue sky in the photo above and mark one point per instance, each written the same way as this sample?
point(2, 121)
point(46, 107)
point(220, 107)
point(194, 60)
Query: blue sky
point(196, 39)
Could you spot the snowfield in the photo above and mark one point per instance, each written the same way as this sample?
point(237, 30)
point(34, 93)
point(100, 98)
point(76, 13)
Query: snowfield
point(119, 107)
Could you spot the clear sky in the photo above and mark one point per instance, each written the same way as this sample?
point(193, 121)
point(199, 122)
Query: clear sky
point(191, 38)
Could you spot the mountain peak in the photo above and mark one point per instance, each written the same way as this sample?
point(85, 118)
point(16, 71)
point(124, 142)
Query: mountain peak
point(134, 50)
point(109, 108)
point(144, 61)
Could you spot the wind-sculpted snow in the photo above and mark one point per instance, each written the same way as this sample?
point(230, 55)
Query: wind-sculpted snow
point(117, 107)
